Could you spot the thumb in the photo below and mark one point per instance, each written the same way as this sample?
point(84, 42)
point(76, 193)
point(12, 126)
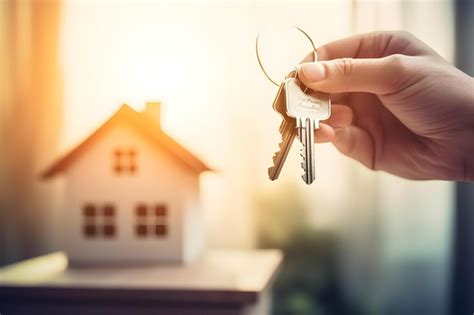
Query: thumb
point(374, 75)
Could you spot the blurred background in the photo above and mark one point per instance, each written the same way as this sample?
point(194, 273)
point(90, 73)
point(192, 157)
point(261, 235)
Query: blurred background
point(355, 242)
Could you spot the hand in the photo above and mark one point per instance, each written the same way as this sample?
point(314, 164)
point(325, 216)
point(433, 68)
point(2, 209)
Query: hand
point(397, 106)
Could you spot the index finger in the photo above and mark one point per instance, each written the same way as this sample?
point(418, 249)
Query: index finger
point(342, 48)
point(372, 45)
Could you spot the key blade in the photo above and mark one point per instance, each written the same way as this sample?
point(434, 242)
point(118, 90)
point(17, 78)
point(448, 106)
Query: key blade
point(308, 109)
point(288, 136)
point(279, 105)
point(283, 126)
point(287, 132)
point(306, 136)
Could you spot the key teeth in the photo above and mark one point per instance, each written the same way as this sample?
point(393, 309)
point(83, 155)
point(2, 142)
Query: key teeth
point(269, 171)
point(305, 179)
point(275, 157)
point(280, 146)
point(270, 175)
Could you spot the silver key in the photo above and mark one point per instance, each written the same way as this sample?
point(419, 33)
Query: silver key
point(287, 131)
point(308, 110)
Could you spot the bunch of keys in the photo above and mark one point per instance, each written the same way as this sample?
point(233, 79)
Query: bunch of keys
point(301, 114)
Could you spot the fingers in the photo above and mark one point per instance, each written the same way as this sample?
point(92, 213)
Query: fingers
point(343, 48)
point(352, 141)
point(377, 75)
point(373, 45)
point(339, 98)
point(325, 133)
point(366, 45)
point(341, 116)
point(356, 143)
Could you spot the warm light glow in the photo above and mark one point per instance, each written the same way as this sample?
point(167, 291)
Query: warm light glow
point(199, 60)
point(130, 54)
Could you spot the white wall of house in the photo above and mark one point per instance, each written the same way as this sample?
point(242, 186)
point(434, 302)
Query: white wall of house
point(160, 178)
point(194, 231)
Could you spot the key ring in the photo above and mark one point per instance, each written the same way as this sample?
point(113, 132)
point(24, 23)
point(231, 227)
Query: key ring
point(315, 56)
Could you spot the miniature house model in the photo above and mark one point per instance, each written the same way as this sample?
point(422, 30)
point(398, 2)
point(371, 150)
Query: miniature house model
point(132, 193)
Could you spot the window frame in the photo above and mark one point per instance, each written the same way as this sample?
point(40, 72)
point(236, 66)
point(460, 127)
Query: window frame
point(151, 220)
point(124, 161)
point(99, 221)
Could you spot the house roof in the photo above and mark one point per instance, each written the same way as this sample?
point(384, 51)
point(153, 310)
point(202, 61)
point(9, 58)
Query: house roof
point(146, 127)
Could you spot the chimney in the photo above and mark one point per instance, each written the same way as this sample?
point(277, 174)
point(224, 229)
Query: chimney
point(152, 112)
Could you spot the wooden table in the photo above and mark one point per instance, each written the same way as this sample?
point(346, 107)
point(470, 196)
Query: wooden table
point(221, 282)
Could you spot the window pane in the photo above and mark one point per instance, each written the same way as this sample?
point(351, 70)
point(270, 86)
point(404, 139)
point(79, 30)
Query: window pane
point(141, 210)
point(124, 161)
point(117, 161)
point(141, 230)
point(160, 230)
point(89, 210)
point(90, 230)
point(132, 160)
point(109, 210)
point(109, 230)
point(160, 210)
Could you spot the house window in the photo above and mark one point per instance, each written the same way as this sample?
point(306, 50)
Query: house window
point(125, 161)
point(151, 220)
point(99, 221)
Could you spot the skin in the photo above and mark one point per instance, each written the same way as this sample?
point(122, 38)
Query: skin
point(398, 106)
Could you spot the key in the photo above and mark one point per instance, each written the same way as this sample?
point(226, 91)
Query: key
point(308, 110)
point(287, 131)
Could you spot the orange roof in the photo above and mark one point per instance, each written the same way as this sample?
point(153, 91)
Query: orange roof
point(147, 128)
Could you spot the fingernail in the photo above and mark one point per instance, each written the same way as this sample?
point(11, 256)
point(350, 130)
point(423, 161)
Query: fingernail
point(312, 71)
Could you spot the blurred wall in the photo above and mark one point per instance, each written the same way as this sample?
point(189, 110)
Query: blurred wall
point(30, 109)
point(462, 301)
point(218, 103)
point(396, 240)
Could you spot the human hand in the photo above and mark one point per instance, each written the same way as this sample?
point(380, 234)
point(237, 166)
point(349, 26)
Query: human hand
point(398, 106)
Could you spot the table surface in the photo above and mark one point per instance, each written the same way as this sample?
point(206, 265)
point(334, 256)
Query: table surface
point(230, 275)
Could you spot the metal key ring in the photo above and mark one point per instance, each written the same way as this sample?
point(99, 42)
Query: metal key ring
point(315, 56)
